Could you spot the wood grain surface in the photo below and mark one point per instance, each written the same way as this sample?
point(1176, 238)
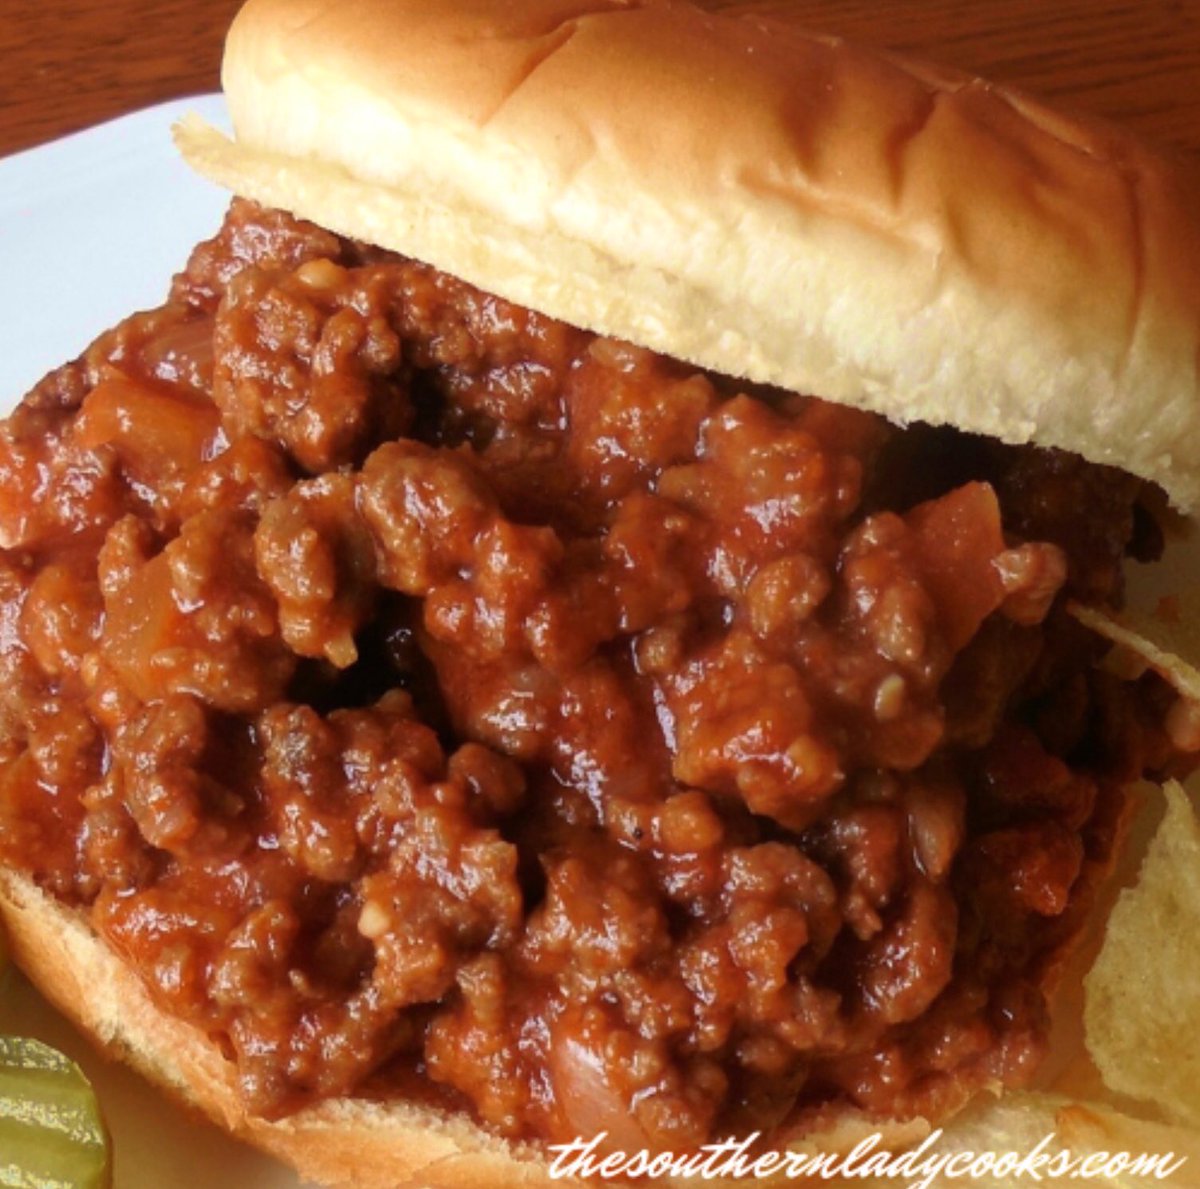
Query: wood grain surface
point(1133, 61)
point(65, 64)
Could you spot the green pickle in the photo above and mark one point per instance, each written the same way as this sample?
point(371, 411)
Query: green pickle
point(51, 1132)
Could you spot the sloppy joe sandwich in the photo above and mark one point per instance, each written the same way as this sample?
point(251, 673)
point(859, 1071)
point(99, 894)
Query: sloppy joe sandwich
point(589, 610)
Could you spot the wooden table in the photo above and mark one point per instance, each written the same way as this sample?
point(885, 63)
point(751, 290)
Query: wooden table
point(65, 64)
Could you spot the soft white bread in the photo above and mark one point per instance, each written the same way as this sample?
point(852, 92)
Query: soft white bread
point(729, 190)
point(347, 1143)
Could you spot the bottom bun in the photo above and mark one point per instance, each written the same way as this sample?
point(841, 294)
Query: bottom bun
point(350, 1143)
point(341, 1143)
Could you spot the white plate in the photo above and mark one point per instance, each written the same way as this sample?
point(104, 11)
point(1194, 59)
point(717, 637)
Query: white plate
point(93, 227)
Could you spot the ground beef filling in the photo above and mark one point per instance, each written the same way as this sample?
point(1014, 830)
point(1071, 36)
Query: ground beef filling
point(427, 697)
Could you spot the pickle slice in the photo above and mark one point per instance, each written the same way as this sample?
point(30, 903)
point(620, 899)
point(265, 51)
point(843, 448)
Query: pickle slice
point(51, 1133)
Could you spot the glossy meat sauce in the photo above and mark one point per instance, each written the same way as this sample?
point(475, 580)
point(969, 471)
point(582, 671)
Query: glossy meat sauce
point(429, 698)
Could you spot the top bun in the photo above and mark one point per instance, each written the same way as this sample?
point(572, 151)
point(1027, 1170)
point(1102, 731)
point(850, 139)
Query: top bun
point(769, 203)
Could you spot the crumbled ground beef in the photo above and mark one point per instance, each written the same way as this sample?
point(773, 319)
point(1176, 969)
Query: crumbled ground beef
point(419, 692)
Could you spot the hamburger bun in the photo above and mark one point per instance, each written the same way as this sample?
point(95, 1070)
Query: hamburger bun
point(730, 191)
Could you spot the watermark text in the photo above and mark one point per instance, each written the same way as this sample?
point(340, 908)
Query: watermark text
point(918, 1168)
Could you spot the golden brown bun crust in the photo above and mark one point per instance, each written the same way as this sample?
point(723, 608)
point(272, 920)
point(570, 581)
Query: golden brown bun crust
point(342, 1143)
point(730, 190)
